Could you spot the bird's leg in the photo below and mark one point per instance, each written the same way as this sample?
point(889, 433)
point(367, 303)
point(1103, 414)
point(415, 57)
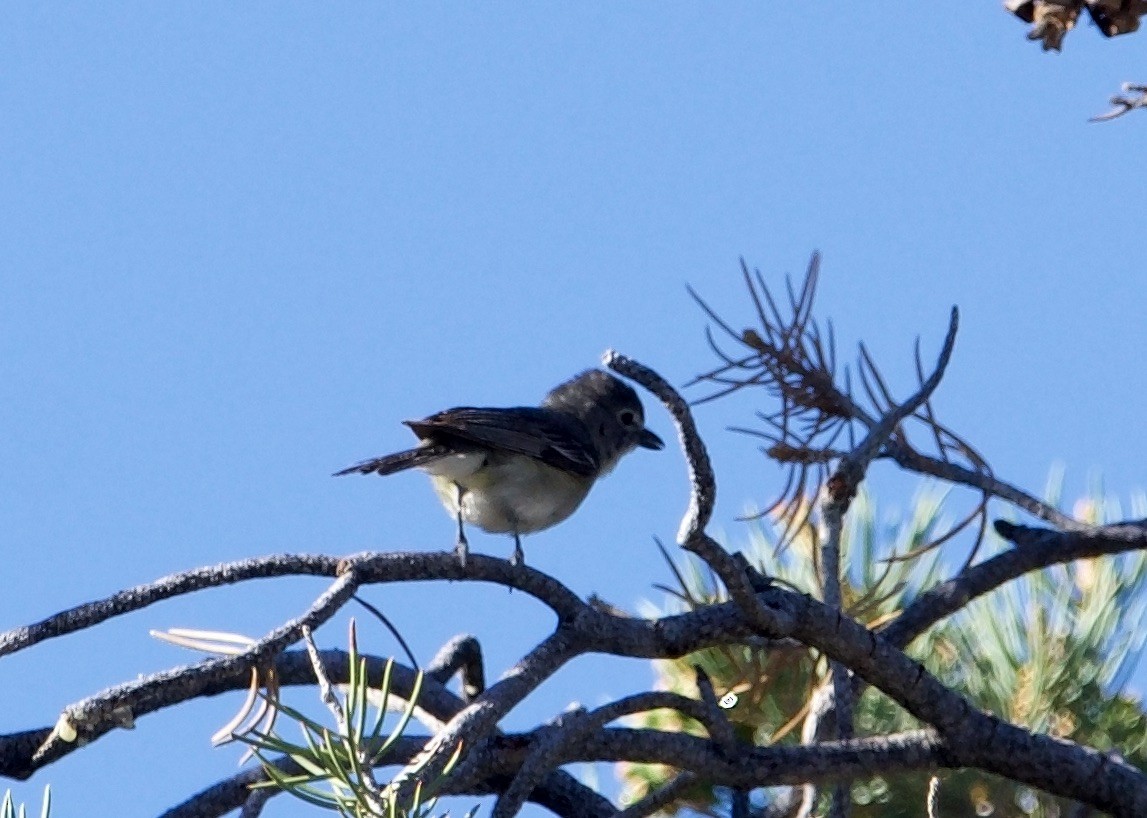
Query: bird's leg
point(461, 547)
point(519, 557)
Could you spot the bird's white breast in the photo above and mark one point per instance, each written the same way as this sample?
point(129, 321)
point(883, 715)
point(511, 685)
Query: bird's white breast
point(507, 493)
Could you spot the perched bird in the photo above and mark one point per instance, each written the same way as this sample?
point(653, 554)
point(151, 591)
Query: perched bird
point(523, 469)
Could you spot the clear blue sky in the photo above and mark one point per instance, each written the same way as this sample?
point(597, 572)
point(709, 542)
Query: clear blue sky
point(240, 243)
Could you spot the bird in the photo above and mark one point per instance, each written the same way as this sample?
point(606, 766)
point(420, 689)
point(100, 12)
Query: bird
point(519, 470)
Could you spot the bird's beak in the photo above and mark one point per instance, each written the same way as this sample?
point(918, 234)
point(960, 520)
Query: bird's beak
point(647, 440)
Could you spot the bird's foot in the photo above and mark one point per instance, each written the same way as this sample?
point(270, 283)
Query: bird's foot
point(462, 550)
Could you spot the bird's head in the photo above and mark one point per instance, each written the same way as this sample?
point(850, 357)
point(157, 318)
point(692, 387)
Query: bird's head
point(611, 412)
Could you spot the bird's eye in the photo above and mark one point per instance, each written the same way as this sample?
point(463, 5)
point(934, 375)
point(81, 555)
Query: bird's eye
point(627, 417)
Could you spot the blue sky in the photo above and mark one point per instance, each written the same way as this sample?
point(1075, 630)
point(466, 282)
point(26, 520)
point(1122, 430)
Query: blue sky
point(240, 243)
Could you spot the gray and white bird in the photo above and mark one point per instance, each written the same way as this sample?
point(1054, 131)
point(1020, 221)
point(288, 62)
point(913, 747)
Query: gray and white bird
point(523, 469)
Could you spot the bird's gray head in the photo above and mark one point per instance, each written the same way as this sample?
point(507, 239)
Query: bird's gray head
point(611, 411)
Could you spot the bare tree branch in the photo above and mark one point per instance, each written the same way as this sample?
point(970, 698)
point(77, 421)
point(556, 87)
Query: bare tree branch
point(977, 739)
point(461, 655)
point(1036, 548)
point(134, 599)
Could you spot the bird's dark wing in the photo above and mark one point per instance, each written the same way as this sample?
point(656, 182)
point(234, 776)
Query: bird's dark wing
point(554, 438)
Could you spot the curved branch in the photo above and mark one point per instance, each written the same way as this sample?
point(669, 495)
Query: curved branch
point(911, 460)
point(701, 478)
point(292, 668)
point(185, 582)
point(1036, 548)
point(374, 568)
point(691, 535)
point(850, 472)
point(461, 655)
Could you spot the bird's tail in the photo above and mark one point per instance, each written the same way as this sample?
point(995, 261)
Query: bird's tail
point(392, 462)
